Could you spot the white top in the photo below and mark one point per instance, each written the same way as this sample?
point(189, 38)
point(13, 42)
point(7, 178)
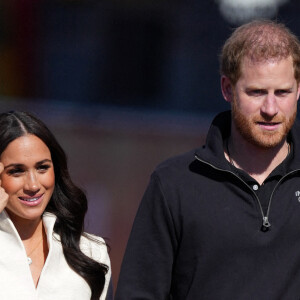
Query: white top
point(57, 281)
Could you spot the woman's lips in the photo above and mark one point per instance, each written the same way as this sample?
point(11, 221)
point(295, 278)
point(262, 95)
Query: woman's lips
point(31, 201)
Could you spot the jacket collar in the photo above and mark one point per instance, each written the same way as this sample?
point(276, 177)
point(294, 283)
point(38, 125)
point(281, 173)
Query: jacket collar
point(6, 224)
point(294, 138)
point(213, 151)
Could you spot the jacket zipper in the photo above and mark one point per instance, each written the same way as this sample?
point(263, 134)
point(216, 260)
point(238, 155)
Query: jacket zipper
point(265, 218)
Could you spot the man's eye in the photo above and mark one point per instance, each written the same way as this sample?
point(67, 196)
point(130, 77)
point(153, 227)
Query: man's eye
point(282, 92)
point(255, 92)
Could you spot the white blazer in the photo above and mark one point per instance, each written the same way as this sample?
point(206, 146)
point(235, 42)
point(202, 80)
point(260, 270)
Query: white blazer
point(57, 281)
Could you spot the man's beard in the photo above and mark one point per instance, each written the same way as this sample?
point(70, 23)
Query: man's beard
point(250, 131)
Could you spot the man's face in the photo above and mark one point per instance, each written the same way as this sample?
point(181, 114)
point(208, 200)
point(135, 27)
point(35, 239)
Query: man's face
point(264, 102)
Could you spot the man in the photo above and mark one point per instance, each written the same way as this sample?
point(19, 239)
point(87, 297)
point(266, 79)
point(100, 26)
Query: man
point(223, 222)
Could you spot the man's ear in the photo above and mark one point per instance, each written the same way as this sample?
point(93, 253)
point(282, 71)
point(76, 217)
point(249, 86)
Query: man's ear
point(226, 88)
point(298, 90)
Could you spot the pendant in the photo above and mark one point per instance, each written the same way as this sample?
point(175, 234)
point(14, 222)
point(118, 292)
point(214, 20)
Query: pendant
point(29, 260)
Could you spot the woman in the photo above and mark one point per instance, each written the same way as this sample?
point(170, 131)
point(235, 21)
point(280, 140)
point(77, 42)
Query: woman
point(44, 252)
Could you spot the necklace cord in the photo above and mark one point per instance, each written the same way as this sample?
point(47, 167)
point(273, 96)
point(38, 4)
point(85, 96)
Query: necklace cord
point(28, 255)
point(231, 160)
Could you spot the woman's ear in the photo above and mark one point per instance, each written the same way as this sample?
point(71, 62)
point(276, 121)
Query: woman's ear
point(226, 88)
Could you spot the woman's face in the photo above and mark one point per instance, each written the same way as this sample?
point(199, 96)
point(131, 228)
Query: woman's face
point(28, 178)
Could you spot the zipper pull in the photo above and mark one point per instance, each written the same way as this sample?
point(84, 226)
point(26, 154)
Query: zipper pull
point(265, 225)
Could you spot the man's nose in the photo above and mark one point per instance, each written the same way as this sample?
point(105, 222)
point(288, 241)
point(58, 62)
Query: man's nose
point(270, 107)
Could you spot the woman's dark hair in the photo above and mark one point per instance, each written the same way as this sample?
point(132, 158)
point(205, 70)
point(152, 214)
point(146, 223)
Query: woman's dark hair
point(68, 202)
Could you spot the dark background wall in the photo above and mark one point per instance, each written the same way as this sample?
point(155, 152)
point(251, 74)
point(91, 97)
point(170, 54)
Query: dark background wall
point(150, 54)
point(122, 84)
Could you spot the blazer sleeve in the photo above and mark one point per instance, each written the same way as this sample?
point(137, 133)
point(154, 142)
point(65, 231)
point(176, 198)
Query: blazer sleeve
point(95, 247)
point(106, 293)
point(146, 271)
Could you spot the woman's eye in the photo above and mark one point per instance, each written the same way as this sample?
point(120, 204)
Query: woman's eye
point(43, 168)
point(15, 172)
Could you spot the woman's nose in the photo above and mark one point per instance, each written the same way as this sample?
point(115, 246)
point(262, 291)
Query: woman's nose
point(32, 183)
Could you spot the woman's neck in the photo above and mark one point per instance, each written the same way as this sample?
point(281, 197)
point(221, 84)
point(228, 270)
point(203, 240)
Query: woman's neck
point(27, 229)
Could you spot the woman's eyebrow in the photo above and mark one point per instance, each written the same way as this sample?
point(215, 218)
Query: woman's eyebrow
point(17, 165)
point(13, 165)
point(44, 161)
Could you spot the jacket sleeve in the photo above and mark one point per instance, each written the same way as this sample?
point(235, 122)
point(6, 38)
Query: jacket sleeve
point(106, 294)
point(94, 246)
point(146, 271)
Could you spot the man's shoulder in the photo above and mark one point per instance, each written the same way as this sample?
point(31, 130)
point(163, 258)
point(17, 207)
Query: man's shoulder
point(176, 164)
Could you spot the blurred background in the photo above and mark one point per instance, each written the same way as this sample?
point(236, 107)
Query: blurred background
point(123, 85)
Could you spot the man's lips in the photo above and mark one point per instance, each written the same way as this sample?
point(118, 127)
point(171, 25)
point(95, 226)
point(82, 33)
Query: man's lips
point(269, 125)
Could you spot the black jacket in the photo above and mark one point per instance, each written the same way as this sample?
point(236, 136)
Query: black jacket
point(197, 233)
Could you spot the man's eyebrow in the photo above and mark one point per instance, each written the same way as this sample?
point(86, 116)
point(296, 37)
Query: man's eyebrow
point(255, 87)
point(285, 89)
point(17, 165)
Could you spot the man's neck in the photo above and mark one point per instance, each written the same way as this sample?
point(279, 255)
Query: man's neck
point(256, 161)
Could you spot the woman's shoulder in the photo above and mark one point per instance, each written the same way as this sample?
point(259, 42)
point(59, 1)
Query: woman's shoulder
point(95, 247)
point(89, 238)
